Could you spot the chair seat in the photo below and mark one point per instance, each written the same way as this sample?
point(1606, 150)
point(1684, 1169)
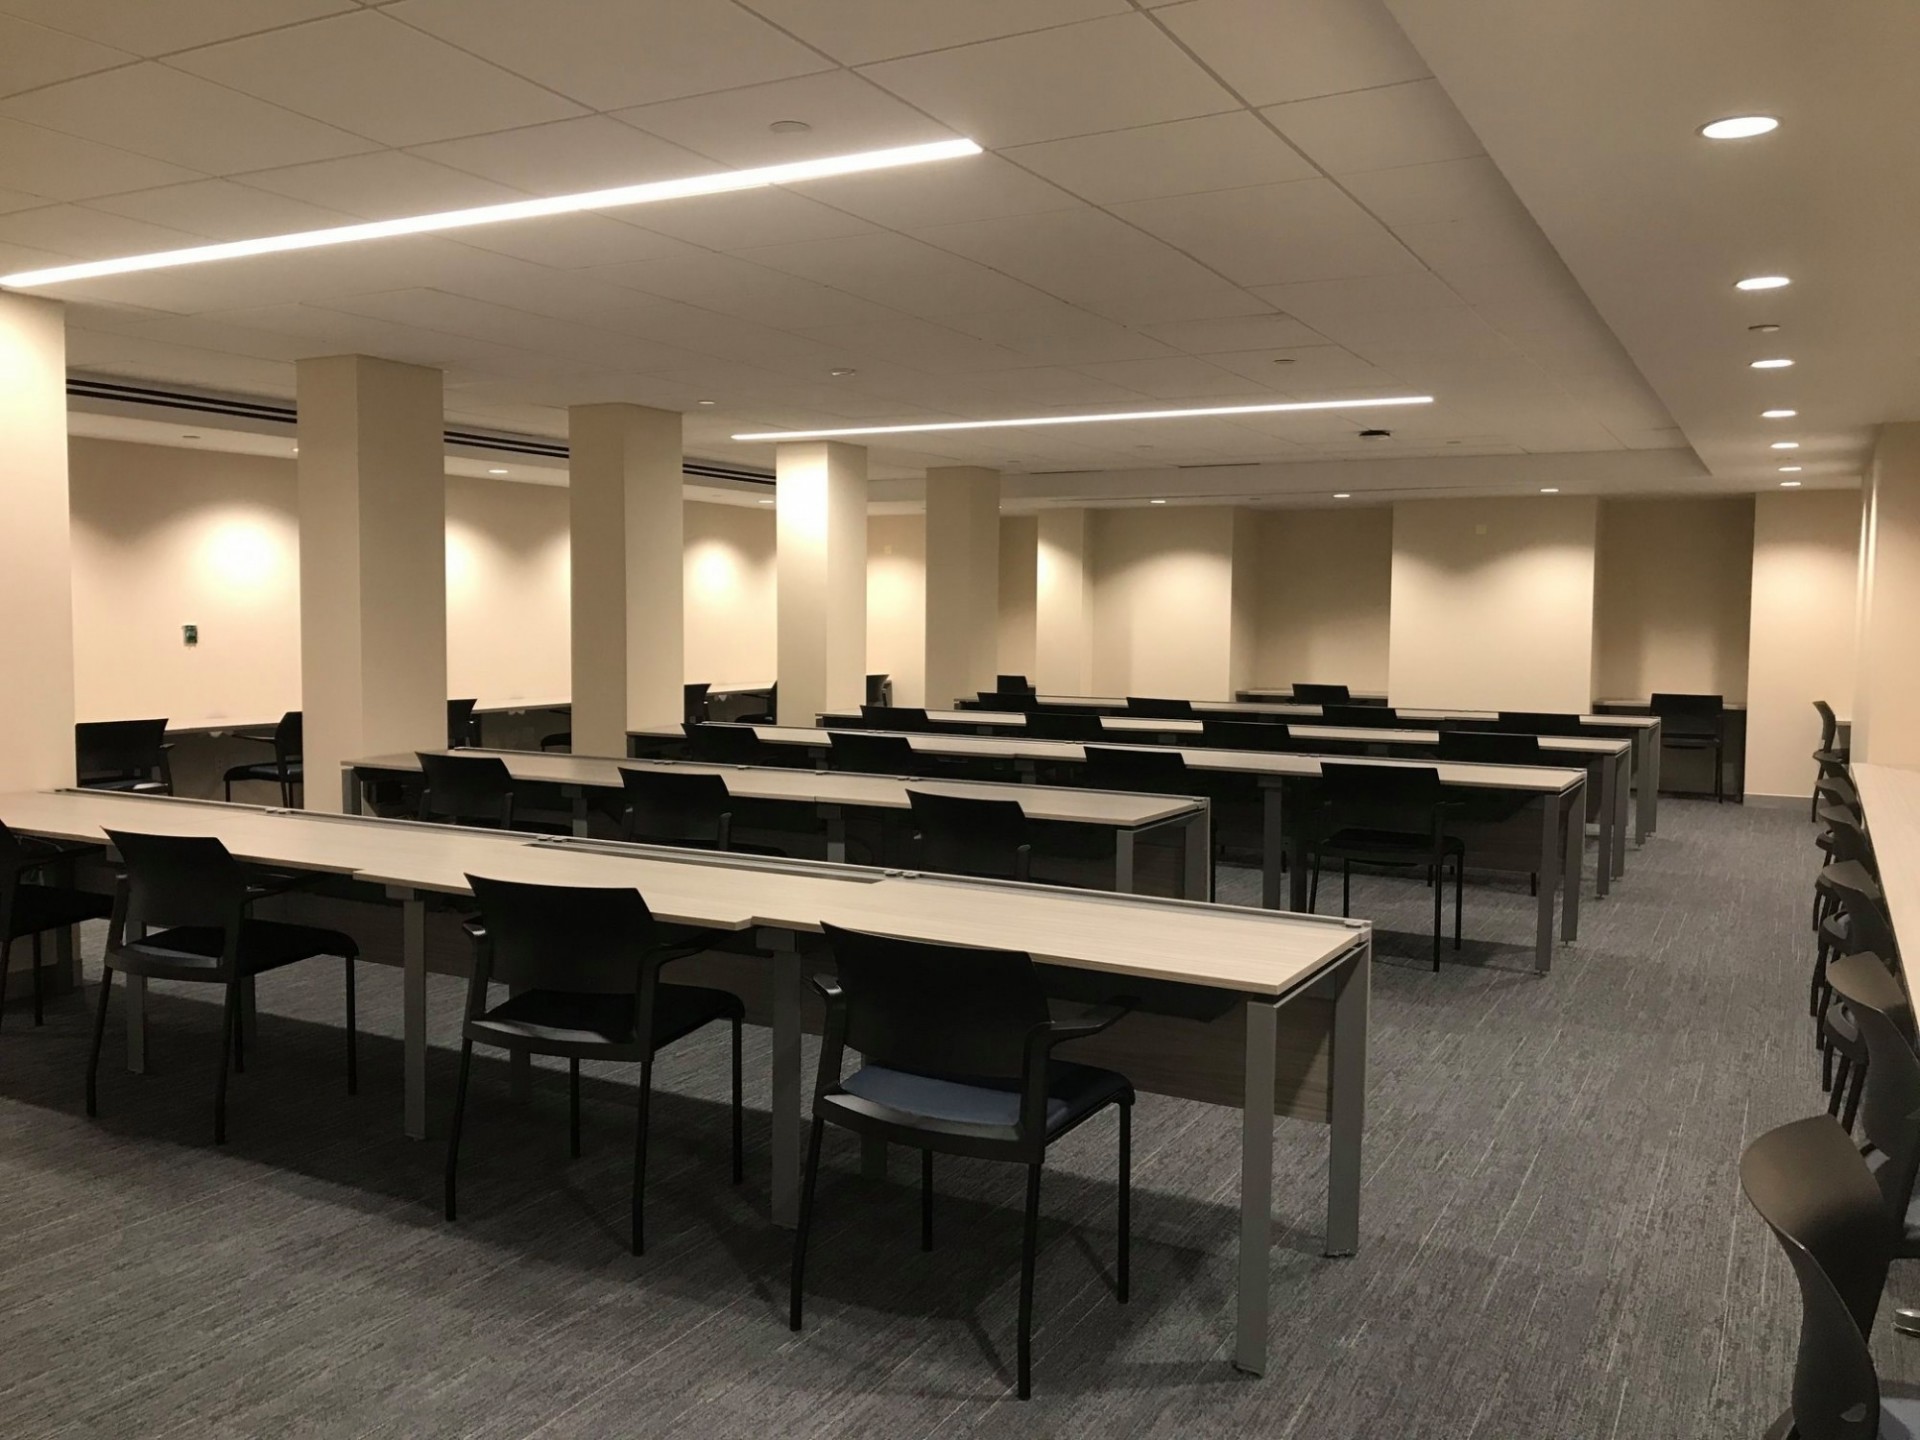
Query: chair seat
point(1850, 876)
point(1073, 1093)
point(38, 908)
point(1832, 757)
point(1360, 844)
point(566, 1019)
point(264, 770)
point(192, 952)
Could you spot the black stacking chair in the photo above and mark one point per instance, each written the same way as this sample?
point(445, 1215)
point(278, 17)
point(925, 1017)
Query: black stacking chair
point(32, 904)
point(879, 690)
point(1387, 815)
point(959, 835)
point(1249, 735)
point(895, 717)
point(467, 790)
point(1831, 757)
point(1377, 716)
point(284, 769)
point(1069, 725)
point(1152, 708)
point(1012, 684)
point(1305, 694)
point(1541, 722)
point(768, 716)
point(584, 967)
point(693, 701)
point(1148, 772)
point(956, 1050)
point(123, 755)
point(1810, 1186)
point(677, 807)
point(1489, 747)
point(725, 744)
point(864, 754)
point(463, 727)
point(181, 913)
point(1024, 701)
point(1695, 722)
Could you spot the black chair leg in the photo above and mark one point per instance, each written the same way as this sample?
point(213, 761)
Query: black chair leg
point(353, 1036)
point(453, 1125)
point(1346, 887)
point(805, 1224)
point(640, 1160)
point(99, 1036)
point(1029, 1248)
point(926, 1199)
point(229, 1051)
point(573, 1105)
point(1459, 891)
point(1123, 1265)
point(1852, 1107)
point(1837, 1092)
point(1313, 886)
point(39, 1010)
point(6, 963)
point(739, 1113)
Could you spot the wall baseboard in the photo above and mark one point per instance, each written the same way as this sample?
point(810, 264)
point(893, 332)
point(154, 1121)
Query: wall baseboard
point(1798, 801)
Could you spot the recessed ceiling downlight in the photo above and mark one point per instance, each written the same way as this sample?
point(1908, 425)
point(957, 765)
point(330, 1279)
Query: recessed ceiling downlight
point(1762, 282)
point(1777, 363)
point(1785, 445)
point(1778, 414)
point(1791, 469)
point(1740, 127)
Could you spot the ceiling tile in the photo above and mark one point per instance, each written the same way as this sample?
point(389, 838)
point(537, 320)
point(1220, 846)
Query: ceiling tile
point(572, 242)
point(896, 270)
point(1451, 246)
point(163, 29)
point(1238, 332)
point(569, 156)
point(376, 77)
point(1444, 190)
point(982, 187)
point(846, 114)
point(1277, 50)
point(734, 287)
point(1447, 328)
point(920, 344)
point(19, 200)
point(1304, 370)
point(382, 185)
point(585, 346)
point(1056, 333)
point(1177, 377)
point(857, 31)
point(45, 162)
point(222, 209)
point(1339, 301)
point(153, 110)
point(1182, 157)
point(747, 218)
point(610, 53)
point(1410, 124)
point(1050, 84)
point(1274, 234)
point(33, 55)
point(89, 234)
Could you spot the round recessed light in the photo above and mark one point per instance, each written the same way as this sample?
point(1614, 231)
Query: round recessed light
point(1774, 364)
point(496, 472)
point(705, 402)
point(1762, 282)
point(1283, 359)
point(766, 502)
point(1342, 495)
point(789, 127)
point(1739, 127)
point(1549, 489)
point(1156, 502)
point(842, 372)
point(1789, 484)
point(1764, 329)
point(1778, 414)
point(1786, 445)
point(1791, 469)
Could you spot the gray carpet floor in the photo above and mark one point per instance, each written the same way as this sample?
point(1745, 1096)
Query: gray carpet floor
point(1553, 1240)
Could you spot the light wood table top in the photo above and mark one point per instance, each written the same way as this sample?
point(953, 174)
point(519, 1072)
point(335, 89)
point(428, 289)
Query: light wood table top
point(1890, 799)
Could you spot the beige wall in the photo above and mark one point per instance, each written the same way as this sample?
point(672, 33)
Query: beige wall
point(1493, 603)
point(1887, 691)
point(507, 601)
point(897, 604)
point(1163, 601)
point(1674, 592)
point(1019, 581)
point(1805, 563)
point(1321, 597)
point(731, 594)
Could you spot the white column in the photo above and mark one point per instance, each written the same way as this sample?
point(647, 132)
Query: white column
point(1886, 721)
point(1063, 604)
point(821, 508)
point(963, 582)
point(373, 563)
point(36, 554)
point(628, 530)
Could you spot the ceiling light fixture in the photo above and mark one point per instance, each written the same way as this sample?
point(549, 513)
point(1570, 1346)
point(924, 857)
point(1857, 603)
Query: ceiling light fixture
point(1156, 502)
point(1739, 127)
point(704, 402)
point(1774, 364)
point(789, 127)
point(843, 372)
point(1786, 445)
point(1278, 408)
point(1549, 490)
point(1791, 469)
point(496, 472)
point(1778, 414)
point(1762, 282)
point(719, 183)
point(1789, 484)
point(1766, 329)
point(1342, 495)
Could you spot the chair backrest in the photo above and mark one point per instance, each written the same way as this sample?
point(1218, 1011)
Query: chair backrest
point(867, 754)
point(289, 736)
point(879, 689)
point(1247, 735)
point(1541, 722)
point(1012, 684)
point(1890, 1104)
point(961, 835)
point(460, 723)
point(1049, 725)
point(1489, 747)
point(693, 701)
point(1159, 708)
point(1868, 927)
point(1829, 724)
point(1849, 836)
point(1379, 796)
point(118, 749)
point(1156, 772)
point(587, 940)
point(942, 1010)
point(180, 880)
point(675, 807)
point(1811, 1187)
point(13, 857)
point(1308, 694)
point(1022, 700)
point(895, 717)
point(1374, 715)
point(1689, 715)
point(724, 744)
point(466, 787)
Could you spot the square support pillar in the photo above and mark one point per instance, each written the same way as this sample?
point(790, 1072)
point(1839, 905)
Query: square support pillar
point(1063, 604)
point(373, 563)
point(963, 582)
point(627, 514)
point(36, 578)
point(821, 511)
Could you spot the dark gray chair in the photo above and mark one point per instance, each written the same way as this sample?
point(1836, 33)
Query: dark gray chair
point(1831, 757)
point(723, 744)
point(860, 753)
point(1311, 694)
point(129, 755)
point(1695, 722)
point(676, 807)
point(466, 790)
point(284, 770)
point(463, 726)
point(1153, 707)
point(1393, 815)
point(959, 835)
point(34, 903)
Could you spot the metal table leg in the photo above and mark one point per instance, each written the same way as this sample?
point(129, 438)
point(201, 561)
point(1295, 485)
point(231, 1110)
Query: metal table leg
point(413, 1009)
point(1576, 840)
point(1199, 854)
point(1256, 1187)
point(1621, 770)
point(1550, 838)
point(1347, 1101)
point(1603, 872)
point(787, 1126)
point(1123, 861)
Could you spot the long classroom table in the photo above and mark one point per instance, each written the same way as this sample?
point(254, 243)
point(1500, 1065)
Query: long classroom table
point(1292, 990)
point(1890, 804)
point(828, 795)
point(1609, 760)
point(1559, 795)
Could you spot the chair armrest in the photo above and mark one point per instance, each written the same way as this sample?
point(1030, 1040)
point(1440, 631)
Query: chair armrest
point(828, 989)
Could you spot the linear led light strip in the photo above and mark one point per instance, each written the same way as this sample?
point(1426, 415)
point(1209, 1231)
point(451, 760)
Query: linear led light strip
point(621, 196)
point(1084, 419)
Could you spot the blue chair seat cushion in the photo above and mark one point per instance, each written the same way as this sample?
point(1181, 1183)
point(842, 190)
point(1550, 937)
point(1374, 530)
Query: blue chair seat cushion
point(193, 951)
point(37, 908)
point(1073, 1092)
point(569, 1018)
